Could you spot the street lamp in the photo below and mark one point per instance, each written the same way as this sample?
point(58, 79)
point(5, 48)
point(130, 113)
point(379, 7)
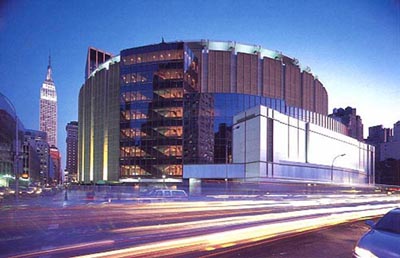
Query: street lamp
point(340, 155)
point(16, 157)
point(163, 177)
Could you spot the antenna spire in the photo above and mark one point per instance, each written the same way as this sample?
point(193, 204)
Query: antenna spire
point(49, 70)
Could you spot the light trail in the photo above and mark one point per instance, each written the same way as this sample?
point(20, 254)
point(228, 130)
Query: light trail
point(165, 229)
point(68, 248)
point(228, 238)
point(242, 220)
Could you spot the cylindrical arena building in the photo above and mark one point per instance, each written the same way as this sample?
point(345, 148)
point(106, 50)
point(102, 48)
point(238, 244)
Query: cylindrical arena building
point(166, 113)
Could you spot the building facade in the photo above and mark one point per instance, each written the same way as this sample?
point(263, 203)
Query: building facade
point(38, 139)
point(390, 149)
point(145, 114)
point(48, 108)
point(378, 135)
point(98, 125)
point(11, 135)
point(353, 122)
point(72, 150)
point(36, 156)
point(56, 176)
point(387, 143)
point(274, 145)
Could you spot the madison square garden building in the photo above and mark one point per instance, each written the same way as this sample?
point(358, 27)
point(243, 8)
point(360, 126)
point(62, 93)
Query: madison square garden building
point(202, 110)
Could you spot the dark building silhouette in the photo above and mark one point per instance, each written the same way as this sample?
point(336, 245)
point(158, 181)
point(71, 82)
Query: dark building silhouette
point(72, 150)
point(55, 156)
point(378, 135)
point(351, 120)
point(38, 141)
point(31, 162)
point(388, 172)
point(387, 146)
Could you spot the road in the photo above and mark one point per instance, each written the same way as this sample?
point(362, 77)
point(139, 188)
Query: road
point(178, 229)
point(336, 242)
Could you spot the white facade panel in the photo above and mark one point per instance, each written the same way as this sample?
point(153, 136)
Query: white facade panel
point(302, 145)
point(239, 135)
point(252, 140)
point(293, 146)
point(252, 170)
point(281, 144)
point(214, 171)
point(263, 139)
point(293, 141)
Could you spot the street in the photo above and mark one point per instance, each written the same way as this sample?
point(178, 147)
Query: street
point(337, 241)
point(52, 227)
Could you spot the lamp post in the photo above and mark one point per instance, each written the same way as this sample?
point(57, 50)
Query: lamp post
point(340, 155)
point(16, 154)
point(163, 177)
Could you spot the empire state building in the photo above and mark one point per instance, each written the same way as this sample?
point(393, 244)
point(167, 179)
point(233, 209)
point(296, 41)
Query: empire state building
point(48, 108)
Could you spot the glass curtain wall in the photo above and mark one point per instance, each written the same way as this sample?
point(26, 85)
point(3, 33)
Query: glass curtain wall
point(154, 80)
point(208, 120)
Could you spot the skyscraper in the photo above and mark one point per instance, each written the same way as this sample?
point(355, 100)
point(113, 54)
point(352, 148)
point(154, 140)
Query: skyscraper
point(72, 149)
point(48, 108)
point(55, 156)
point(39, 140)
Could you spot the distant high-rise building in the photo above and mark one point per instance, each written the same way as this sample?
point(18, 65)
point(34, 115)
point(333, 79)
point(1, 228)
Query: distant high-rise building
point(95, 57)
point(391, 148)
point(48, 108)
point(56, 160)
point(377, 134)
point(396, 132)
point(31, 161)
point(72, 149)
point(386, 141)
point(39, 140)
point(351, 120)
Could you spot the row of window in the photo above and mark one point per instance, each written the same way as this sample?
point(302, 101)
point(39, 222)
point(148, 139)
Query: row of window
point(162, 74)
point(142, 77)
point(166, 131)
point(136, 151)
point(132, 170)
point(166, 55)
point(165, 170)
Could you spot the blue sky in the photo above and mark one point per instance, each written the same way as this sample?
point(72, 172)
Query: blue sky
point(353, 46)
